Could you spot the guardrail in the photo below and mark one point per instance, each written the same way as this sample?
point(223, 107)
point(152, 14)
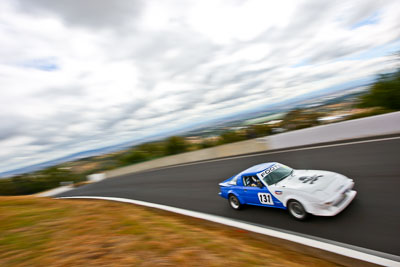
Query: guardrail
point(360, 128)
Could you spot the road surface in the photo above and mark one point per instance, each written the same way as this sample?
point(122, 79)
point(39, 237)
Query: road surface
point(371, 221)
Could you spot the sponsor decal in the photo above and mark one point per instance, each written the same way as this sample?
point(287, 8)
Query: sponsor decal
point(268, 171)
point(278, 192)
point(310, 179)
point(265, 198)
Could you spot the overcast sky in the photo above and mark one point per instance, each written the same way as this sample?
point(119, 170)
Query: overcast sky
point(78, 75)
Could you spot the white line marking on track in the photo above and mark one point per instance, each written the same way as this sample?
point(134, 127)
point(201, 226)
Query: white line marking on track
point(257, 229)
point(276, 152)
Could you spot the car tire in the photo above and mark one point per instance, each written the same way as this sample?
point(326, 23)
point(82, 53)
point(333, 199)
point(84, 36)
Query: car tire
point(297, 210)
point(234, 202)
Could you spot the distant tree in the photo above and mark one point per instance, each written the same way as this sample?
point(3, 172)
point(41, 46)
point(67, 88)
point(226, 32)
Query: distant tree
point(175, 145)
point(152, 150)
point(133, 156)
point(385, 93)
point(8, 187)
point(258, 130)
point(230, 137)
point(298, 119)
point(207, 144)
point(37, 182)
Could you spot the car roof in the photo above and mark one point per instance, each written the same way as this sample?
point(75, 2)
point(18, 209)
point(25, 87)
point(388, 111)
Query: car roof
point(258, 168)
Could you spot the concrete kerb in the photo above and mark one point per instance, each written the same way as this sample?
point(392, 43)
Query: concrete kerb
point(55, 191)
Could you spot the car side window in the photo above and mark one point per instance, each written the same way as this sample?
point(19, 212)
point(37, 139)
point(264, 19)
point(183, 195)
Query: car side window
point(250, 181)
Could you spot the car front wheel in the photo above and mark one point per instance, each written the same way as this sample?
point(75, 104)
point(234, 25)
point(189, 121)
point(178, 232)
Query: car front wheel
point(297, 210)
point(234, 202)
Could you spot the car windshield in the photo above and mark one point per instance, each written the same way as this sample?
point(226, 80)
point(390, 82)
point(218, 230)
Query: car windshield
point(277, 175)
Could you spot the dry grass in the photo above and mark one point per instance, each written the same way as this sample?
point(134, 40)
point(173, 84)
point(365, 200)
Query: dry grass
point(46, 232)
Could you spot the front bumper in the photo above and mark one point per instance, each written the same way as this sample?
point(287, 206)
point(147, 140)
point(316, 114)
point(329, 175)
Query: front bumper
point(338, 207)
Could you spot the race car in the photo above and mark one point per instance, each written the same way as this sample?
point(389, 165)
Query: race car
point(301, 192)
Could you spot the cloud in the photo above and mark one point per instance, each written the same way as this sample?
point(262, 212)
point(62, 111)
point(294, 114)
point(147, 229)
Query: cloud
point(94, 14)
point(79, 76)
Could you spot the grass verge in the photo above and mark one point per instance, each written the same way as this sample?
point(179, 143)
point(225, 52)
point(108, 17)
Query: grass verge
point(47, 232)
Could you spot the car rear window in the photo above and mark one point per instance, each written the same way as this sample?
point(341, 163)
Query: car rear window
point(234, 180)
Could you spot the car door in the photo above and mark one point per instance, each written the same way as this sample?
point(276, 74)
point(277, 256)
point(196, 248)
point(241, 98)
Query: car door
point(254, 194)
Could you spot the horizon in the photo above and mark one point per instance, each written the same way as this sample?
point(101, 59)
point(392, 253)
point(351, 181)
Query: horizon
point(179, 132)
point(86, 77)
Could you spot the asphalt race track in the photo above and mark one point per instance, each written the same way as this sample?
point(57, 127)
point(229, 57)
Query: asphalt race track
point(371, 221)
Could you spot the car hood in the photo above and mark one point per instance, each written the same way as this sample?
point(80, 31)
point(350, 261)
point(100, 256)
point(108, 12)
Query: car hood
point(314, 181)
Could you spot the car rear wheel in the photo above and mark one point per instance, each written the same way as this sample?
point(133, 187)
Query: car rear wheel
point(297, 210)
point(234, 202)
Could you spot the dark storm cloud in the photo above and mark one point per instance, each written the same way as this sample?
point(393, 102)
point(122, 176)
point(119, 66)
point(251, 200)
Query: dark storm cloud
point(87, 13)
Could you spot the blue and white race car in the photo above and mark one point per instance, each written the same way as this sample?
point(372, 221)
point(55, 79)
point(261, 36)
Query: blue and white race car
point(273, 184)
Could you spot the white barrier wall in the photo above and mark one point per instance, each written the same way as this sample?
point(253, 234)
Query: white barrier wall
point(365, 127)
point(359, 128)
point(244, 147)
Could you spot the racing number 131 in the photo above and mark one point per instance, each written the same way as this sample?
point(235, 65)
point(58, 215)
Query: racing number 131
point(265, 198)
